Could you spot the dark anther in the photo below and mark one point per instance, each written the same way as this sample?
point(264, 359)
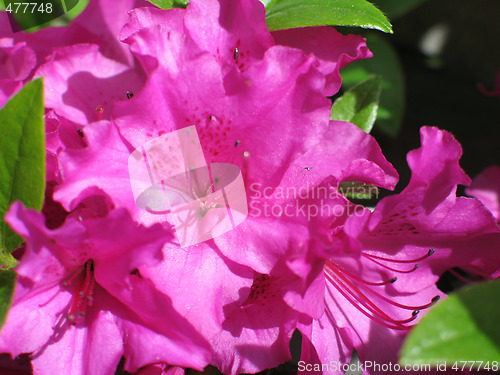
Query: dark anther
point(415, 312)
point(236, 54)
point(393, 280)
point(236, 143)
point(136, 272)
point(416, 267)
point(80, 132)
point(130, 94)
point(435, 299)
point(431, 251)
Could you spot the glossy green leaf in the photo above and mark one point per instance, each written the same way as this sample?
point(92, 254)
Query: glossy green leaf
point(359, 104)
point(170, 4)
point(396, 8)
point(22, 158)
point(74, 9)
point(7, 285)
point(287, 14)
point(385, 63)
point(463, 327)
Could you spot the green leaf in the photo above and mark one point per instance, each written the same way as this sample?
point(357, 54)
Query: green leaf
point(7, 285)
point(357, 190)
point(359, 105)
point(396, 8)
point(464, 327)
point(22, 158)
point(287, 14)
point(385, 62)
point(170, 4)
point(74, 8)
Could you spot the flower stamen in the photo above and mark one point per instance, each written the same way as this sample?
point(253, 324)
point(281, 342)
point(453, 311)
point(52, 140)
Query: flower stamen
point(83, 293)
point(359, 292)
point(100, 113)
point(429, 253)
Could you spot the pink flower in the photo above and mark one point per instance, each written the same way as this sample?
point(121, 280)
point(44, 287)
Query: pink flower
point(80, 303)
point(354, 279)
point(17, 60)
point(99, 24)
point(380, 268)
point(486, 188)
point(81, 86)
point(256, 105)
point(235, 34)
point(67, 58)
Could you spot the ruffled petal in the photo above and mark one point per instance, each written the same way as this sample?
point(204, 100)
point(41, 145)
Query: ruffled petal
point(82, 85)
point(332, 49)
point(486, 188)
point(221, 26)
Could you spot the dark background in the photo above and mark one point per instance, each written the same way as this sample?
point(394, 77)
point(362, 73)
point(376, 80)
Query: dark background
point(441, 90)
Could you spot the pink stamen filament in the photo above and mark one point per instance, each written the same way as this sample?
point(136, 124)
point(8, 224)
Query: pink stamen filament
point(339, 277)
point(461, 277)
point(244, 166)
point(480, 273)
point(365, 306)
point(351, 275)
point(354, 287)
point(83, 293)
point(390, 268)
point(406, 307)
point(429, 253)
point(100, 113)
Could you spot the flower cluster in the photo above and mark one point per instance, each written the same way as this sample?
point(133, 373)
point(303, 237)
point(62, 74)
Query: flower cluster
point(103, 278)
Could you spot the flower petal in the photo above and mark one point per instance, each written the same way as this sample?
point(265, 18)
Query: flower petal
point(79, 79)
point(332, 49)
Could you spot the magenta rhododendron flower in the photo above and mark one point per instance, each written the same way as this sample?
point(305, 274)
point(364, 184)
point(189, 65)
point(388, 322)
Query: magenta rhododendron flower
point(381, 267)
point(375, 297)
point(142, 106)
point(68, 57)
point(363, 279)
point(80, 303)
point(262, 120)
point(99, 24)
point(235, 34)
point(17, 60)
point(486, 188)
